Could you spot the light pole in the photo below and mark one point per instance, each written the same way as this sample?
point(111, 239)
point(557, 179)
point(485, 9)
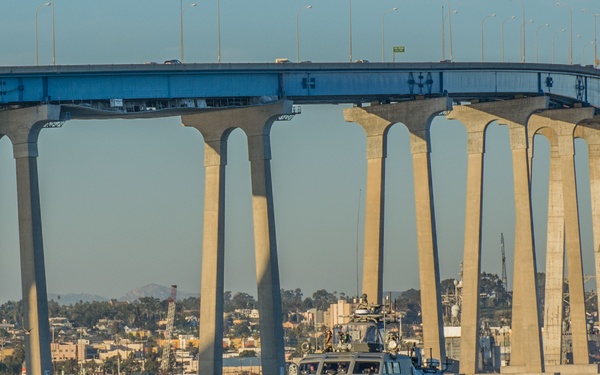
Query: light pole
point(503, 22)
point(350, 4)
point(553, 38)
point(482, 21)
point(444, 33)
point(53, 37)
point(383, 33)
point(524, 36)
point(570, 31)
point(522, 31)
point(595, 42)
point(36, 30)
point(181, 28)
point(297, 32)
point(537, 37)
point(219, 31)
point(450, 29)
point(583, 52)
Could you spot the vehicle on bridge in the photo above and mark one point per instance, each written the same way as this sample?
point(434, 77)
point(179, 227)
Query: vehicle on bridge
point(368, 344)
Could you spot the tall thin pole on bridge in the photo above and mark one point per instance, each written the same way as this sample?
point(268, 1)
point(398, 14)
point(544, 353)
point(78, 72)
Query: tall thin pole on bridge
point(537, 37)
point(595, 42)
point(570, 31)
point(350, 1)
point(383, 33)
point(450, 29)
point(298, 31)
point(443, 36)
point(503, 22)
point(53, 37)
point(523, 32)
point(36, 31)
point(219, 31)
point(484, 18)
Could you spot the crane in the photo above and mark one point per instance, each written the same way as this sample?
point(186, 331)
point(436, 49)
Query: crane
point(166, 354)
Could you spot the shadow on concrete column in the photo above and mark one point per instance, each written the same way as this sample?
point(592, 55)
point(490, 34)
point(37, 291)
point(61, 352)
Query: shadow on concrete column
point(561, 124)
point(23, 126)
point(417, 116)
point(215, 126)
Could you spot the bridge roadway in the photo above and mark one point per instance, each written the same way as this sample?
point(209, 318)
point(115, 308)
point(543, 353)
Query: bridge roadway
point(303, 83)
point(556, 101)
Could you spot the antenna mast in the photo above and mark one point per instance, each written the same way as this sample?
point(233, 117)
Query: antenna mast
point(504, 278)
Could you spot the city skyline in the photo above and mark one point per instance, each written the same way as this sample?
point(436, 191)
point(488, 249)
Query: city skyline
point(122, 199)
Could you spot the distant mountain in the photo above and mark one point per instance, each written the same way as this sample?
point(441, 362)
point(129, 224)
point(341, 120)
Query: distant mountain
point(152, 290)
point(73, 298)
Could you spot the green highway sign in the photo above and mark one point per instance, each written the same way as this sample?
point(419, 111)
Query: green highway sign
point(399, 49)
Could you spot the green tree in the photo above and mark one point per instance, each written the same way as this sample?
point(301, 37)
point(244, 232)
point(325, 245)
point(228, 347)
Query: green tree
point(240, 301)
point(247, 353)
point(322, 299)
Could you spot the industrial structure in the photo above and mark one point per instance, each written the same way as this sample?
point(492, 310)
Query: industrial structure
point(166, 354)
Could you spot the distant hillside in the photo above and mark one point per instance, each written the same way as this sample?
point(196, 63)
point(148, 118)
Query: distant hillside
point(152, 290)
point(73, 298)
point(157, 291)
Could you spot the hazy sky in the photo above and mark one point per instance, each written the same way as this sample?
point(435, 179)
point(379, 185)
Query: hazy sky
point(122, 200)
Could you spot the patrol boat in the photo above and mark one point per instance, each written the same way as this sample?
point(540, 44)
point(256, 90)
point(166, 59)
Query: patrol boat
point(368, 344)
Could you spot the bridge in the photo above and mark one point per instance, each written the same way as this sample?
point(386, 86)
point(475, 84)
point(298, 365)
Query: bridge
point(556, 101)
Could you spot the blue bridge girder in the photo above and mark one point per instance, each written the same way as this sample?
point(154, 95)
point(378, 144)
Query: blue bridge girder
point(148, 86)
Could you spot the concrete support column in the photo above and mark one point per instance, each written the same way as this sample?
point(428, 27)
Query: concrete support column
point(563, 123)
point(215, 126)
point(417, 116)
point(418, 121)
point(213, 252)
point(555, 253)
point(526, 351)
point(267, 265)
point(475, 120)
point(590, 132)
point(376, 127)
point(22, 126)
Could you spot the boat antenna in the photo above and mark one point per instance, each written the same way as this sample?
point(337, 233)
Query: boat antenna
point(357, 227)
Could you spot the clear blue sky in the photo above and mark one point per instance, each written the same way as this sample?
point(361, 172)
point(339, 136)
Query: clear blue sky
point(122, 200)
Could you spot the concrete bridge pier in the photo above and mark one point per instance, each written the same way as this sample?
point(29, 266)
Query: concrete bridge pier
point(562, 123)
point(23, 126)
point(476, 117)
point(590, 132)
point(475, 120)
point(215, 126)
point(417, 116)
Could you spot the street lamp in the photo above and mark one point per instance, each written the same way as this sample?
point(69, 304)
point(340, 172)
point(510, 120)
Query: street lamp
point(219, 31)
point(537, 36)
point(181, 28)
point(297, 33)
point(522, 31)
point(450, 29)
point(595, 42)
point(36, 30)
point(570, 31)
point(524, 36)
point(482, 21)
point(583, 51)
point(444, 15)
point(553, 38)
point(350, 4)
point(383, 33)
point(53, 37)
point(503, 22)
